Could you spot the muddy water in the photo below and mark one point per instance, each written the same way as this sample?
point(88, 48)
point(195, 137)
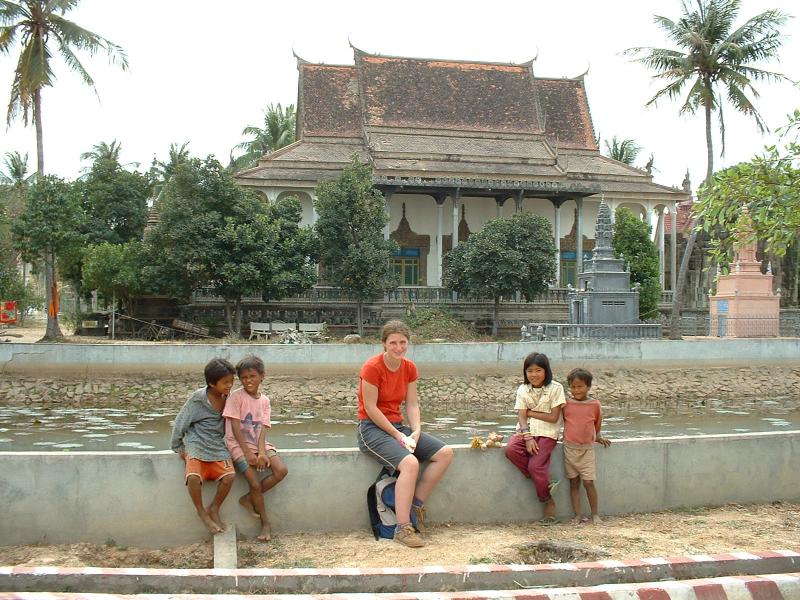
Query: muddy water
point(114, 429)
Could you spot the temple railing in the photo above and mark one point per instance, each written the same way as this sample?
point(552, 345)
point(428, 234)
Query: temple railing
point(400, 295)
point(573, 331)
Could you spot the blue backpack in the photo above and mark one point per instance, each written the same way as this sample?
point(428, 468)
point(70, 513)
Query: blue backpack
point(380, 504)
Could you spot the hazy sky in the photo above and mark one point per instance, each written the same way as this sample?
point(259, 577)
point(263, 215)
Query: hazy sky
point(200, 71)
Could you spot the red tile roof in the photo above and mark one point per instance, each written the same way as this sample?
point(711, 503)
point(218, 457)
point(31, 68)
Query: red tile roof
point(329, 103)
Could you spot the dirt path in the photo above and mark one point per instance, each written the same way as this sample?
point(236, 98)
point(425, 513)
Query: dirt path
point(672, 533)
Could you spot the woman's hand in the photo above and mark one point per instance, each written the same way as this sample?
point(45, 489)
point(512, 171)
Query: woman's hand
point(415, 434)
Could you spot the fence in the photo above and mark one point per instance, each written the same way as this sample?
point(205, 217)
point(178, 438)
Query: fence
point(400, 295)
point(751, 326)
point(573, 331)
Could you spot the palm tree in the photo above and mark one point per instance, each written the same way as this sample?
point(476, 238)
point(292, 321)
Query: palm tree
point(16, 170)
point(43, 31)
point(625, 151)
point(278, 131)
point(162, 171)
point(715, 59)
point(102, 151)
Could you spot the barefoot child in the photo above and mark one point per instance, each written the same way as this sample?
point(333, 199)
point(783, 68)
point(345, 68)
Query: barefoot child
point(198, 436)
point(582, 420)
point(247, 418)
point(538, 404)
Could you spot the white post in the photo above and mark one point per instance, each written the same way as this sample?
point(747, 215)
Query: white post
point(439, 218)
point(673, 245)
point(579, 237)
point(557, 236)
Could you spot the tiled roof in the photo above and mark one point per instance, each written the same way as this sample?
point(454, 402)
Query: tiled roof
point(488, 146)
point(410, 92)
point(567, 121)
point(328, 101)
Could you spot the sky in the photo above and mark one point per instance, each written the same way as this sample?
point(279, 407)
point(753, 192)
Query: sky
point(200, 71)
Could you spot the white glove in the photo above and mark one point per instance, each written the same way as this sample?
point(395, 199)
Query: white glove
point(408, 442)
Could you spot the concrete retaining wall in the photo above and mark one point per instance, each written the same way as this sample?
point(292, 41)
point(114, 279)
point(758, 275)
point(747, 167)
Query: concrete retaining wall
point(83, 359)
point(138, 498)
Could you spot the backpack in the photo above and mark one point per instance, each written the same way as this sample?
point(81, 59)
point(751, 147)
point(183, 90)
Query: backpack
point(380, 504)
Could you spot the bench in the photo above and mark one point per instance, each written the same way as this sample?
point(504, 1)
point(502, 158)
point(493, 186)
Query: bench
point(269, 329)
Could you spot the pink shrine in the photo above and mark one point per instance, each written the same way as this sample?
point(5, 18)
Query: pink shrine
point(745, 305)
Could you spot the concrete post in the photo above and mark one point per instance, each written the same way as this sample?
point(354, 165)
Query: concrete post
point(386, 230)
point(456, 196)
point(579, 236)
point(660, 229)
point(673, 246)
point(557, 236)
point(439, 221)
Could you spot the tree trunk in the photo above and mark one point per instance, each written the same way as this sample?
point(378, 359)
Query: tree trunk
point(53, 331)
point(683, 272)
point(229, 316)
point(37, 122)
point(495, 312)
point(359, 317)
point(237, 320)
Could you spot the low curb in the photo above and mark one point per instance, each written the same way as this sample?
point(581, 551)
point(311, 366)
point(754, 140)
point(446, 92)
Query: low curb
point(764, 587)
point(405, 580)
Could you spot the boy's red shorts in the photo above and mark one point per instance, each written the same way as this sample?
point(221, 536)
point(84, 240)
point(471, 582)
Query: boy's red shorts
point(208, 470)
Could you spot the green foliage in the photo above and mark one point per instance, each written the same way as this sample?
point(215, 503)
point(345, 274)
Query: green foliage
point(509, 254)
point(225, 238)
point(625, 151)
point(350, 223)
point(757, 200)
point(114, 270)
point(278, 131)
point(51, 222)
point(631, 241)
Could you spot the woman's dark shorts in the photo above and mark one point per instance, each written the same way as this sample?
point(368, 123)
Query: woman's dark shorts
point(374, 441)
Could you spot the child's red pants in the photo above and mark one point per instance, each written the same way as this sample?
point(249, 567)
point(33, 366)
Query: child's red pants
point(536, 466)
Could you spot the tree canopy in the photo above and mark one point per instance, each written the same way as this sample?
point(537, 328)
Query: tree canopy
point(624, 150)
point(758, 200)
point(350, 223)
point(508, 255)
point(631, 241)
point(278, 131)
point(49, 229)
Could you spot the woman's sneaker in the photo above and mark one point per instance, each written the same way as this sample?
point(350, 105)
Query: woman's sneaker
point(408, 537)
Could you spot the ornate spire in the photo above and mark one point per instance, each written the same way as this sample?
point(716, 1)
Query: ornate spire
point(604, 229)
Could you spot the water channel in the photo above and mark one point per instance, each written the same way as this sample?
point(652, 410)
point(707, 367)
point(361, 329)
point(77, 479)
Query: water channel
point(66, 429)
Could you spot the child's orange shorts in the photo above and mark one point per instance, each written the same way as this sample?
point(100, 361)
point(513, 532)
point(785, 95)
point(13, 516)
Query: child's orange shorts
point(208, 470)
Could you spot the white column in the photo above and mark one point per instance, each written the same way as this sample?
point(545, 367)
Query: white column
point(661, 219)
point(673, 245)
point(612, 206)
point(439, 223)
point(456, 197)
point(387, 228)
point(314, 215)
point(579, 237)
point(272, 195)
point(557, 236)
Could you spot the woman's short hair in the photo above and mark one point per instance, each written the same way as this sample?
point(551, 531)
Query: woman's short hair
point(540, 360)
point(395, 327)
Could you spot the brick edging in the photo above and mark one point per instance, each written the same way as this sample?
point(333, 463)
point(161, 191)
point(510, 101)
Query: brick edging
point(399, 579)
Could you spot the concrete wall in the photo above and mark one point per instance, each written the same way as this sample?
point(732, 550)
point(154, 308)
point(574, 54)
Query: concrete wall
point(87, 359)
point(138, 498)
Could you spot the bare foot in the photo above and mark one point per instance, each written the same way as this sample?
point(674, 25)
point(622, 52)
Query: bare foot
point(247, 504)
point(596, 520)
point(266, 533)
point(549, 510)
point(212, 527)
point(575, 520)
point(213, 513)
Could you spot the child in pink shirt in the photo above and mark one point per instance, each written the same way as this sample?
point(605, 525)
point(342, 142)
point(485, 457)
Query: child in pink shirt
point(582, 420)
point(247, 418)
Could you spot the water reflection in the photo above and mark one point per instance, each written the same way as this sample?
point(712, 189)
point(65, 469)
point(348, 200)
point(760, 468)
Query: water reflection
point(108, 429)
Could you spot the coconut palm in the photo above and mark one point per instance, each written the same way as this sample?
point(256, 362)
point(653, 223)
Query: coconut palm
point(103, 151)
point(161, 171)
point(16, 170)
point(278, 131)
point(715, 60)
point(42, 32)
point(624, 151)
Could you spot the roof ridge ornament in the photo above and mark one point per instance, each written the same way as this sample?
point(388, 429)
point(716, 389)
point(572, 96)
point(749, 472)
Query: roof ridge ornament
point(583, 75)
point(300, 59)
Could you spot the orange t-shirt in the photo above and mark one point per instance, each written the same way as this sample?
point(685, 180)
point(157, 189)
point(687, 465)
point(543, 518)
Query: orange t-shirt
point(581, 421)
point(392, 386)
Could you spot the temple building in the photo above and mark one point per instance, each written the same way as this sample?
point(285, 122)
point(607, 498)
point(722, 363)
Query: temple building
point(453, 144)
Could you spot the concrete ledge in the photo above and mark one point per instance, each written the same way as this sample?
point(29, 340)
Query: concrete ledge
point(139, 499)
point(606, 575)
point(311, 359)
